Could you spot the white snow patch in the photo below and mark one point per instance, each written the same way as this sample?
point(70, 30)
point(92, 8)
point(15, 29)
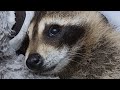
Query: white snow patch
point(11, 17)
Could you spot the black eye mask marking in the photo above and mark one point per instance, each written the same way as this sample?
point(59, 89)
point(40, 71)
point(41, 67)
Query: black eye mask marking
point(65, 35)
point(72, 34)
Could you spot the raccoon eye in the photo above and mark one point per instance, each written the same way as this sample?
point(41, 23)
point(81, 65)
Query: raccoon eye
point(54, 30)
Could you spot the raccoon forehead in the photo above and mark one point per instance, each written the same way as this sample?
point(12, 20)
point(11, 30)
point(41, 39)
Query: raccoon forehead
point(70, 17)
point(62, 13)
point(67, 21)
point(60, 21)
point(66, 18)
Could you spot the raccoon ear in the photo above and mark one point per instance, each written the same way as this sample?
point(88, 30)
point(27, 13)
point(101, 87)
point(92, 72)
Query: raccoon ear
point(105, 18)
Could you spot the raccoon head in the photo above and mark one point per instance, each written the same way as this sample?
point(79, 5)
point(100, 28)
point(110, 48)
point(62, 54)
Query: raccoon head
point(60, 39)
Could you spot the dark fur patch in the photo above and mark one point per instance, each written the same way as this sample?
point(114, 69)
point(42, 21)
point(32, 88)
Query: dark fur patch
point(72, 34)
point(20, 17)
point(69, 35)
point(24, 46)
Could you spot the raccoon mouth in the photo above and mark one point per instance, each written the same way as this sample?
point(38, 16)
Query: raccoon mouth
point(48, 69)
point(44, 70)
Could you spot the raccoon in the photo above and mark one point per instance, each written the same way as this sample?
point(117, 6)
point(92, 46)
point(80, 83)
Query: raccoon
point(72, 45)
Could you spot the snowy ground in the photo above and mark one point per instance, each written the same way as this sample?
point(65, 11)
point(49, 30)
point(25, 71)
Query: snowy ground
point(15, 69)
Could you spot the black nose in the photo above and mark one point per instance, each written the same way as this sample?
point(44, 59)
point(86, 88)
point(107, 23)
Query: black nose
point(34, 61)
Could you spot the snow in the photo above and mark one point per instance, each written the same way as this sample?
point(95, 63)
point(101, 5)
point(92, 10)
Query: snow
point(11, 17)
point(16, 69)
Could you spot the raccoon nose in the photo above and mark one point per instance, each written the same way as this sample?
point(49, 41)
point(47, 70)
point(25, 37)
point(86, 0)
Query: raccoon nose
point(34, 61)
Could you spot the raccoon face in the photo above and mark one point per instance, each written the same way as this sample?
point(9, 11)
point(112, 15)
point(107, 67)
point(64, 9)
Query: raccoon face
point(56, 38)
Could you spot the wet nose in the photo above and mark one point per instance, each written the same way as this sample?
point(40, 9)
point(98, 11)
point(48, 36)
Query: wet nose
point(34, 61)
